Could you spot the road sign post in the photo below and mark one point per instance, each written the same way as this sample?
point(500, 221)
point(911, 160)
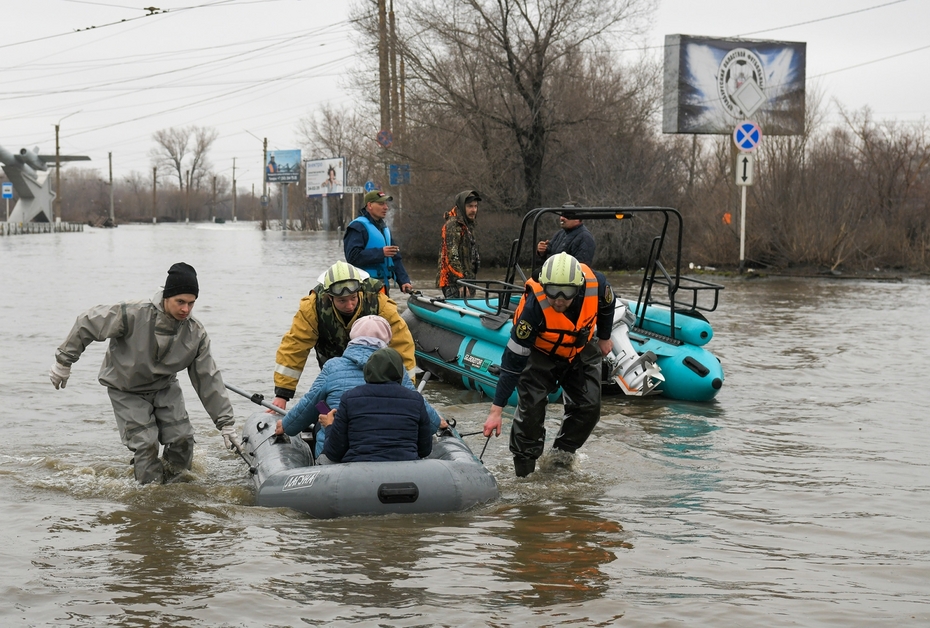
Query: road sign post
point(744, 168)
point(357, 189)
point(7, 195)
point(746, 136)
point(385, 138)
point(399, 174)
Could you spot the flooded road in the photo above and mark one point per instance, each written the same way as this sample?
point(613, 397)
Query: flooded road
point(800, 496)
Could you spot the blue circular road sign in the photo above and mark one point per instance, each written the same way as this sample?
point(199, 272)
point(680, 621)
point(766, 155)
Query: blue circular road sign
point(385, 138)
point(370, 186)
point(747, 136)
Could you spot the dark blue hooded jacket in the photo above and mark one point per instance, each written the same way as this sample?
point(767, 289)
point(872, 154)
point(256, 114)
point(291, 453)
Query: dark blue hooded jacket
point(381, 420)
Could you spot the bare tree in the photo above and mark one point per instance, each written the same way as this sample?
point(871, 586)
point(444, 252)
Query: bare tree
point(203, 138)
point(483, 68)
point(183, 151)
point(170, 151)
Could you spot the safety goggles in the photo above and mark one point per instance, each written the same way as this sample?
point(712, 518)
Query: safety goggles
point(555, 291)
point(344, 288)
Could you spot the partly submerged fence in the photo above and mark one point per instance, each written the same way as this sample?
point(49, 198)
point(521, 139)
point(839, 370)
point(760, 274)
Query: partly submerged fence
point(22, 228)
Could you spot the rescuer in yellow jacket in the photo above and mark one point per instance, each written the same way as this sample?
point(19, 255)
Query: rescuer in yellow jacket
point(324, 319)
point(552, 343)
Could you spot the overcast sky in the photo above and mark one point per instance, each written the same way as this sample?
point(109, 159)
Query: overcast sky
point(112, 76)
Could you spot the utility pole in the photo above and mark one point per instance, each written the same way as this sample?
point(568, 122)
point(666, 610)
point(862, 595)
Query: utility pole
point(395, 127)
point(187, 198)
point(112, 214)
point(154, 198)
point(264, 185)
point(56, 205)
point(213, 203)
point(383, 69)
point(403, 101)
point(234, 190)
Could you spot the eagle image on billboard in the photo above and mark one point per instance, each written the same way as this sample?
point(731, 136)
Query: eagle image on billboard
point(712, 84)
point(325, 177)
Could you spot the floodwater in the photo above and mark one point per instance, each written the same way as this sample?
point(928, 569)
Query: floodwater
point(799, 497)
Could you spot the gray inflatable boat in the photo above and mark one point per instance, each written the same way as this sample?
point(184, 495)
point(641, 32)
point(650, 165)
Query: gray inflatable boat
point(451, 479)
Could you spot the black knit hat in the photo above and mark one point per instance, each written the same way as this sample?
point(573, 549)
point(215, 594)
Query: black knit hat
point(182, 279)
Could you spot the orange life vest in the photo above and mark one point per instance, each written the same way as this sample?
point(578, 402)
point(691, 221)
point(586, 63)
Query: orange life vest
point(559, 336)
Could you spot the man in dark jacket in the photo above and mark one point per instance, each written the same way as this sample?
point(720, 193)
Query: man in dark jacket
point(560, 334)
point(458, 253)
point(574, 239)
point(380, 421)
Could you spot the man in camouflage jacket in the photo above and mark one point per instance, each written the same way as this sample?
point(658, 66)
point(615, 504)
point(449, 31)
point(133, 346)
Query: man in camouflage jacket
point(458, 255)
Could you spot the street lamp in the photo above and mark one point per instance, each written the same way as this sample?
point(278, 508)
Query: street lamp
point(264, 181)
point(56, 206)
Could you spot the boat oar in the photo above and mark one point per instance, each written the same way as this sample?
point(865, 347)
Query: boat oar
point(256, 398)
point(488, 319)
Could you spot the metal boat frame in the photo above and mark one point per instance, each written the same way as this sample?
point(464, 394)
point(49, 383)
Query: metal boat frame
point(680, 294)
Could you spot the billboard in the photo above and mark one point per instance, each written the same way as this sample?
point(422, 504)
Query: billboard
point(283, 166)
point(325, 176)
point(712, 84)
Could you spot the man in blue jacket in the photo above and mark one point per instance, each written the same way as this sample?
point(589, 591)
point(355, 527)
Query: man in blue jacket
point(368, 244)
point(380, 421)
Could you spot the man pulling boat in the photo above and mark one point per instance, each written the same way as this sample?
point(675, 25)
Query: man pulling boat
point(150, 342)
point(552, 343)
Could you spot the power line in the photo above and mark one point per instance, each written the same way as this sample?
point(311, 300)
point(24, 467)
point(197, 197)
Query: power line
point(859, 65)
point(823, 19)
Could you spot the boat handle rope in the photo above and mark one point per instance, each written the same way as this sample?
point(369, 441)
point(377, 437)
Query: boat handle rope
point(484, 448)
point(256, 398)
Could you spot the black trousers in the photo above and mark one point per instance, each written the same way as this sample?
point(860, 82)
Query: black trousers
point(581, 386)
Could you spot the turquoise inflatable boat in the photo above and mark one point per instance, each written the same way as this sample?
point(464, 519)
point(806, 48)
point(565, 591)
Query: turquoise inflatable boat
point(658, 340)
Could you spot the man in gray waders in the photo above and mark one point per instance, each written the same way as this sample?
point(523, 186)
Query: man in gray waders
point(552, 343)
point(150, 342)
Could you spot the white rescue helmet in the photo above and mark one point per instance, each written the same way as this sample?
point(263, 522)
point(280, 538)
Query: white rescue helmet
point(561, 276)
point(562, 270)
point(342, 279)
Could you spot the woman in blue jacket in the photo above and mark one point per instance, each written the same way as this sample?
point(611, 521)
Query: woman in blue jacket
point(339, 375)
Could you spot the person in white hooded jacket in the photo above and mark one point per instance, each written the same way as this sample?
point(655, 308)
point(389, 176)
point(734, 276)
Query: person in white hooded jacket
point(150, 342)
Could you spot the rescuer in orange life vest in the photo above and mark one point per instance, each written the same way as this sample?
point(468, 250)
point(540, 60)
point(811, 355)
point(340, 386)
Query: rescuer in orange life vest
point(551, 344)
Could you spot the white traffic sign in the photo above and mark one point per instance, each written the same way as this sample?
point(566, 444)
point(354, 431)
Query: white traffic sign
point(354, 189)
point(744, 165)
point(7, 190)
point(747, 136)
